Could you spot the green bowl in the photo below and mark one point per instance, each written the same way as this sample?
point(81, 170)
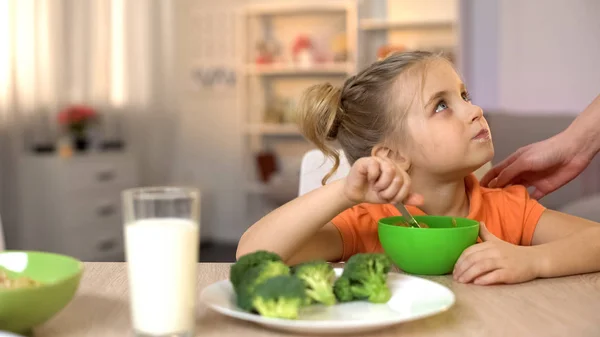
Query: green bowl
point(22, 309)
point(427, 251)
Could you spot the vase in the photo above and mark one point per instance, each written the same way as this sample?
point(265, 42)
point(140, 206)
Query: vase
point(81, 143)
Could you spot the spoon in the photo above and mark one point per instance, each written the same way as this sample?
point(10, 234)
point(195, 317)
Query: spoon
point(409, 219)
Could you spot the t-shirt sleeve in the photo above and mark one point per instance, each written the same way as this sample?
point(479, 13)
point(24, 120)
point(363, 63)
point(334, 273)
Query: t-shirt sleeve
point(357, 229)
point(521, 214)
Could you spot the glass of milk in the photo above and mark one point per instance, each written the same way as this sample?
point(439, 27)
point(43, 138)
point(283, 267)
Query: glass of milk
point(161, 244)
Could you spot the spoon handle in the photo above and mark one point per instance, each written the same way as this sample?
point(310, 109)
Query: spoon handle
point(411, 221)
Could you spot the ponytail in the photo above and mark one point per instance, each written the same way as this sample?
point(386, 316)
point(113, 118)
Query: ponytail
point(319, 116)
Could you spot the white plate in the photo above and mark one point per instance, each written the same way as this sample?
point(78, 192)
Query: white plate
point(8, 334)
point(412, 298)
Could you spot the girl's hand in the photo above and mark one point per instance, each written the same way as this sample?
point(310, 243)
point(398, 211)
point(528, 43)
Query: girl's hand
point(379, 181)
point(495, 261)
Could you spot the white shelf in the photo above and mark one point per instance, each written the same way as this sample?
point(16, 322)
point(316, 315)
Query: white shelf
point(292, 69)
point(282, 8)
point(273, 129)
point(379, 24)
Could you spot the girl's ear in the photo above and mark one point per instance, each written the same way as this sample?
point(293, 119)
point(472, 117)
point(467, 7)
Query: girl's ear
point(397, 157)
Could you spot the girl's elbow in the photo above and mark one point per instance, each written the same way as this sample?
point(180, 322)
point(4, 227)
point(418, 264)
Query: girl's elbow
point(241, 249)
point(245, 246)
point(239, 253)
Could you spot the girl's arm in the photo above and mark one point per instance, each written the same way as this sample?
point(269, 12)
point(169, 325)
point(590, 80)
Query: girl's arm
point(566, 244)
point(297, 230)
point(562, 245)
point(302, 230)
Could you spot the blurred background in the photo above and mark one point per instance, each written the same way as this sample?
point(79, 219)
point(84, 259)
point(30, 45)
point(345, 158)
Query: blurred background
point(101, 95)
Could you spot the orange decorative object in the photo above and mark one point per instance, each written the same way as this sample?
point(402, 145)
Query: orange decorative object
point(386, 50)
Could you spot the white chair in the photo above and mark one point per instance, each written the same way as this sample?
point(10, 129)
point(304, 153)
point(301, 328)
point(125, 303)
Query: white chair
point(315, 166)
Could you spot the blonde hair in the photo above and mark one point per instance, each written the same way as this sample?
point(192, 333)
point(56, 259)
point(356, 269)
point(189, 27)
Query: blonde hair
point(360, 114)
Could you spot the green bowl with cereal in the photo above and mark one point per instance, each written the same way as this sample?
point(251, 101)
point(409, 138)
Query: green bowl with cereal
point(35, 286)
point(430, 250)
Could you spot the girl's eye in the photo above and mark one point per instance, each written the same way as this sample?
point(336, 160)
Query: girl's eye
point(441, 106)
point(466, 96)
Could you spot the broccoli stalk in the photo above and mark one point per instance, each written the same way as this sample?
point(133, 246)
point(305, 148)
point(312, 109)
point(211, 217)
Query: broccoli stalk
point(364, 278)
point(255, 277)
point(280, 297)
point(318, 277)
point(247, 262)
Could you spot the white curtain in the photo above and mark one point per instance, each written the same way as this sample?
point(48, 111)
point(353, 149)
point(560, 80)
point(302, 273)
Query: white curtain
point(116, 55)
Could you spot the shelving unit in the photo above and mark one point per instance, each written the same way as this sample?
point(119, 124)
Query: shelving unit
point(424, 24)
point(382, 24)
point(295, 7)
point(260, 84)
point(286, 69)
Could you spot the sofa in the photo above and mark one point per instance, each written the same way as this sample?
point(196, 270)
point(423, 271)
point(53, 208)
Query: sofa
point(511, 131)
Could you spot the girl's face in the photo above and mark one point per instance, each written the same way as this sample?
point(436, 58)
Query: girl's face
point(450, 135)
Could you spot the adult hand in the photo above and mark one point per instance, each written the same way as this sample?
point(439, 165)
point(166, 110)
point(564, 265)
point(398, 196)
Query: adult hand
point(545, 165)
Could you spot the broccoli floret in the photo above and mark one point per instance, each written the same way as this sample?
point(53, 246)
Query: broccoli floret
point(367, 275)
point(280, 297)
point(318, 277)
point(248, 261)
point(256, 276)
point(341, 289)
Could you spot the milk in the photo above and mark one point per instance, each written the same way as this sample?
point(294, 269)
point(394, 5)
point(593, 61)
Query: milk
point(162, 256)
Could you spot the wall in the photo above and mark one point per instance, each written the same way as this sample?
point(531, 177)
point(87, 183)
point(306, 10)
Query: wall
point(208, 150)
point(529, 58)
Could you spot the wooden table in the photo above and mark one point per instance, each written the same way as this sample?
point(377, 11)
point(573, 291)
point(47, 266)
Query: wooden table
point(554, 307)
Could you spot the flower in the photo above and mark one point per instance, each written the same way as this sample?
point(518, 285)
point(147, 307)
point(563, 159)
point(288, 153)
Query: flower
point(76, 118)
point(76, 114)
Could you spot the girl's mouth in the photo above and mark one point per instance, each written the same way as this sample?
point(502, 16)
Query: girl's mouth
point(484, 134)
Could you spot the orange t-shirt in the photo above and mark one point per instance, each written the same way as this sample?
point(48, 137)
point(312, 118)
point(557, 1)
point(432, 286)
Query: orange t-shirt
point(508, 213)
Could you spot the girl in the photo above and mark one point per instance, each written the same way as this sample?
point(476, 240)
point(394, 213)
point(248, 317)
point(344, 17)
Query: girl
point(412, 135)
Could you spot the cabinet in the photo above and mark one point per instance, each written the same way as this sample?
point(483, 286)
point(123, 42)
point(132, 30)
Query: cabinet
point(73, 206)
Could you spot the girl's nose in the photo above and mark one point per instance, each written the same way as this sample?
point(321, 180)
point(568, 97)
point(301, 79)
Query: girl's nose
point(475, 113)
